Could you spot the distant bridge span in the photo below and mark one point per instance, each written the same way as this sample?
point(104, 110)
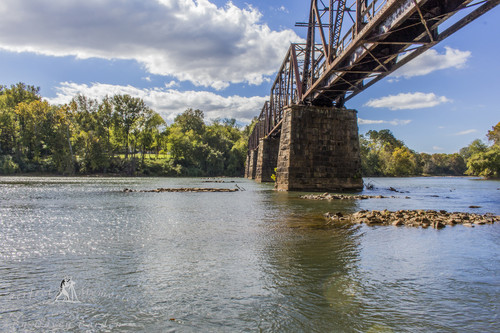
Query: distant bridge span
point(350, 46)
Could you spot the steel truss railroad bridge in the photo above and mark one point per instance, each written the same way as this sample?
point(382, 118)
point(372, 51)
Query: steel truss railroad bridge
point(350, 46)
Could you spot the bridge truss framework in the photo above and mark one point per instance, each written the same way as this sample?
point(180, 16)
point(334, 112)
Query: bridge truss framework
point(353, 44)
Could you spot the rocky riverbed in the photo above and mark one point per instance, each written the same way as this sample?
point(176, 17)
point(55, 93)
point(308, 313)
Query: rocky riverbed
point(329, 196)
point(414, 218)
point(184, 189)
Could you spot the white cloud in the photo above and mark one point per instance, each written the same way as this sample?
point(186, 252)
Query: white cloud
point(402, 101)
point(431, 61)
point(394, 122)
point(170, 102)
point(191, 40)
point(437, 148)
point(469, 131)
point(171, 84)
point(283, 9)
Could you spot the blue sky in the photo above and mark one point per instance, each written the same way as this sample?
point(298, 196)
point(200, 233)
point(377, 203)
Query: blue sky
point(221, 57)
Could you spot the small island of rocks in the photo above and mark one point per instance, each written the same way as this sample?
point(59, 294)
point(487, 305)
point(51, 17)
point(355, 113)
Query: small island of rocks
point(329, 196)
point(413, 218)
point(183, 189)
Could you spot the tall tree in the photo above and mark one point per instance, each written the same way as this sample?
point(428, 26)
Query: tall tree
point(191, 120)
point(128, 110)
point(18, 93)
point(33, 132)
point(494, 134)
point(150, 124)
point(476, 146)
point(59, 141)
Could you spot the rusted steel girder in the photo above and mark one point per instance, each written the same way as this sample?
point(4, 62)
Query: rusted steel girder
point(382, 36)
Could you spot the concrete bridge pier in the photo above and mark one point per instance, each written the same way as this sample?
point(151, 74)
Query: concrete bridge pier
point(251, 164)
point(319, 150)
point(267, 159)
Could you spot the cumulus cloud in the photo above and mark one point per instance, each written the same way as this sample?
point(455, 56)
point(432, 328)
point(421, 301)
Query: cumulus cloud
point(402, 101)
point(394, 122)
point(431, 61)
point(469, 131)
point(169, 102)
point(191, 40)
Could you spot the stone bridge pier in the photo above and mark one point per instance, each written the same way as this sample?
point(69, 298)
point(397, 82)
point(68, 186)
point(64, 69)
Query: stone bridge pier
point(318, 150)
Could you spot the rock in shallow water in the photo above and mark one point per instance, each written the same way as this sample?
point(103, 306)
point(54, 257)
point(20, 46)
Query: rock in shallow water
point(416, 218)
point(328, 196)
point(184, 189)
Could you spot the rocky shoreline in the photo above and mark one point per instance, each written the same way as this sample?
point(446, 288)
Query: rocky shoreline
point(414, 218)
point(183, 189)
point(329, 196)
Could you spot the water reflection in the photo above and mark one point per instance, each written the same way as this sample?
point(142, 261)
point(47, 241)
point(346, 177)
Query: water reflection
point(310, 269)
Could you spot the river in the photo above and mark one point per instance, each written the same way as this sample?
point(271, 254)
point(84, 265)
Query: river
point(247, 261)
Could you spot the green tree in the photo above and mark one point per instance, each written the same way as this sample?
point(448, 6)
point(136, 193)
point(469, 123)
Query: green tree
point(150, 124)
point(10, 126)
point(18, 93)
point(237, 157)
point(383, 155)
point(456, 165)
point(494, 134)
point(476, 146)
point(9, 130)
point(59, 141)
point(485, 164)
point(91, 133)
point(128, 111)
point(370, 160)
point(483, 160)
point(191, 120)
point(403, 162)
point(384, 139)
point(32, 119)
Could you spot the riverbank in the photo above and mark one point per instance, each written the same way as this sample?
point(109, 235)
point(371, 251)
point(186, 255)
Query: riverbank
point(414, 218)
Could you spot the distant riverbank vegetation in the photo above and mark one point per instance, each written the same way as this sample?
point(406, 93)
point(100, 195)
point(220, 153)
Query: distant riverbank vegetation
point(121, 135)
point(384, 155)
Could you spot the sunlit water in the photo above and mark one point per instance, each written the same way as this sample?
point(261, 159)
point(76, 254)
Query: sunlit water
point(249, 261)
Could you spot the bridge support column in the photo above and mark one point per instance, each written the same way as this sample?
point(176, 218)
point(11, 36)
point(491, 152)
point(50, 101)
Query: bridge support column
point(251, 164)
point(247, 164)
point(319, 150)
point(267, 159)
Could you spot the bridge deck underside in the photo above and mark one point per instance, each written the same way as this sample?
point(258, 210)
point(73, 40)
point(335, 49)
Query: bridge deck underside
point(376, 52)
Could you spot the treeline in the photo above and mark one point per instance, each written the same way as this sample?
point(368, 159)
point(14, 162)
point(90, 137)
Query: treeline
point(122, 135)
point(384, 155)
point(117, 135)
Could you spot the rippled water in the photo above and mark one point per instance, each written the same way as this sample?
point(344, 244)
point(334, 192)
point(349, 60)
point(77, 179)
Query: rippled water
point(256, 260)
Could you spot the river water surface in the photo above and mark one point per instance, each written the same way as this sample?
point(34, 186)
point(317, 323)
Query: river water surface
point(248, 261)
